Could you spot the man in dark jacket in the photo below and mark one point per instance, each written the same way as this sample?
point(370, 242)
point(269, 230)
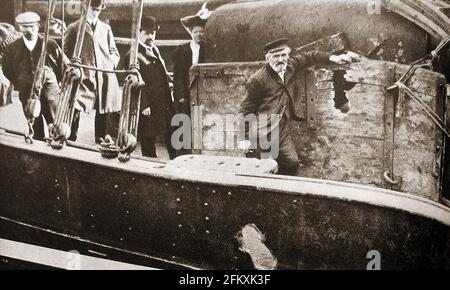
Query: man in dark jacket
point(20, 63)
point(97, 90)
point(270, 96)
point(157, 106)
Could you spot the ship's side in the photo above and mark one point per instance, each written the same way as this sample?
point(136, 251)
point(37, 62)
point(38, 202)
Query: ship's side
point(190, 217)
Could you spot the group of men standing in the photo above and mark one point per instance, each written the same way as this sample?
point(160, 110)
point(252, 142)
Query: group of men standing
point(269, 91)
point(99, 90)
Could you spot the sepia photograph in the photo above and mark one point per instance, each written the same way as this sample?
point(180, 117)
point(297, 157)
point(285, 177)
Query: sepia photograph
point(224, 135)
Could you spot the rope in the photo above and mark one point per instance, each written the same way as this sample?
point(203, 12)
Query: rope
point(101, 70)
point(444, 43)
point(63, 37)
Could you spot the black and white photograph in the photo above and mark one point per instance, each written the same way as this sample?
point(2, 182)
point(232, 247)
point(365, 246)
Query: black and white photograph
point(224, 135)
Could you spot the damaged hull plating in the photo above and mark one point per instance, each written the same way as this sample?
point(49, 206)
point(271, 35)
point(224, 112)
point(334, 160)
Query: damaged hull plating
point(192, 218)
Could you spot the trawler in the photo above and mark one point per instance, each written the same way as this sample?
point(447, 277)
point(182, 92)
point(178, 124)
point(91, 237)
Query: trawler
point(373, 177)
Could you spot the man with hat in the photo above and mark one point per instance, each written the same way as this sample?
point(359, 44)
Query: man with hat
point(98, 90)
point(188, 54)
point(20, 64)
point(157, 106)
point(271, 92)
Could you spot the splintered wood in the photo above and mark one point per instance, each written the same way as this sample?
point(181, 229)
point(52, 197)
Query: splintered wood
point(354, 130)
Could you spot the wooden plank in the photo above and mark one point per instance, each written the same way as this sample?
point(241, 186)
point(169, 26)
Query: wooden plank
point(196, 115)
point(311, 102)
point(224, 163)
point(389, 123)
point(422, 81)
point(368, 72)
point(353, 146)
point(418, 147)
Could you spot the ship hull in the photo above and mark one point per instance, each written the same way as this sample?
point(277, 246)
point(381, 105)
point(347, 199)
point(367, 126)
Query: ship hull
point(210, 219)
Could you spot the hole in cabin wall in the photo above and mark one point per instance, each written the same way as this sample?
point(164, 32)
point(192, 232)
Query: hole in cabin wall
point(341, 85)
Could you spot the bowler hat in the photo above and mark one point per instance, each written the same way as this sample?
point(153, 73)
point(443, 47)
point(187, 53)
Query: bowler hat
point(149, 23)
point(28, 18)
point(274, 45)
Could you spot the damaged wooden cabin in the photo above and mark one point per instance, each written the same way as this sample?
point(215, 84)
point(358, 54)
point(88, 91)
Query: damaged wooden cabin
point(355, 130)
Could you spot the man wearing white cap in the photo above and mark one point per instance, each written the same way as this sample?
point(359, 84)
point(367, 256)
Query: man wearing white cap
point(20, 64)
point(271, 92)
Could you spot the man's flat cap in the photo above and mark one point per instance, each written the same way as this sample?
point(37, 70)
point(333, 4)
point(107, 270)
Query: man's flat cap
point(274, 45)
point(98, 3)
point(28, 18)
point(149, 23)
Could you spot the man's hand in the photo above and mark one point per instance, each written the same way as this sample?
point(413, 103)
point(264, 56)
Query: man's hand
point(345, 58)
point(147, 112)
point(244, 145)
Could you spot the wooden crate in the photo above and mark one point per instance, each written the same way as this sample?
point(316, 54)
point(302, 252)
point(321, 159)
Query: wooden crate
point(383, 133)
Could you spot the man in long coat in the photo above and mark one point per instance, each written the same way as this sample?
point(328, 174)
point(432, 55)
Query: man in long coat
point(20, 63)
point(157, 107)
point(98, 90)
